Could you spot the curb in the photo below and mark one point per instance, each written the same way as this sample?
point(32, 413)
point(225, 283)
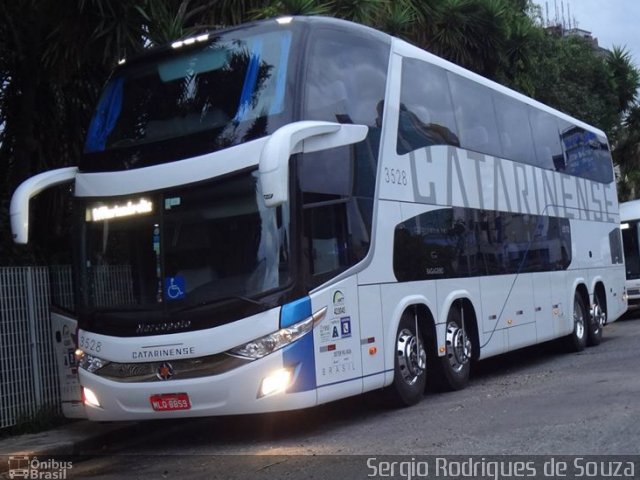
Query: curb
point(77, 438)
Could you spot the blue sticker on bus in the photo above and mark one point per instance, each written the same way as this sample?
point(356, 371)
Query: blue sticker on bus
point(174, 288)
point(345, 323)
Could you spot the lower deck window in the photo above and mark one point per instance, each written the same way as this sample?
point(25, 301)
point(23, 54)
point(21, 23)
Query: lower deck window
point(463, 242)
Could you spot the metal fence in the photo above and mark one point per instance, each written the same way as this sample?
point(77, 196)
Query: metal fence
point(28, 372)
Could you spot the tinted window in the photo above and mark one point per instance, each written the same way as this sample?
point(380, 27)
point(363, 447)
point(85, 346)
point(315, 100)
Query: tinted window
point(459, 242)
point(587, 154)
point(631, 243)
point(514, 130)
point(438, 107)
point(345, 83)
point(615, 246)
point(475, 115)
point(546, 137)
point(346, 78)
point(192, 101)
point(426, 113)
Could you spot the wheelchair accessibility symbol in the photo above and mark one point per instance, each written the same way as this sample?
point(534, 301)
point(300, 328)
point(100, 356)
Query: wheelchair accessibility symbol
point(174, 288)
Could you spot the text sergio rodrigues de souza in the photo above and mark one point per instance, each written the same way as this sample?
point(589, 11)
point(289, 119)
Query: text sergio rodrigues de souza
point(488, 468)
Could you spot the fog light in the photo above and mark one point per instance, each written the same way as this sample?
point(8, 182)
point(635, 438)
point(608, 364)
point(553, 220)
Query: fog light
point(277, 382)
point(89, 398)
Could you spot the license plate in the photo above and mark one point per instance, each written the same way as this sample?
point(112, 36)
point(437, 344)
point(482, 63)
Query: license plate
point(169, 402)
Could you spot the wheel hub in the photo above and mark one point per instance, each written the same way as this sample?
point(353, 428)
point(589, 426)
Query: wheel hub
point(578, 320)
point(412, 358)
point(598, 315)
point(458, 347)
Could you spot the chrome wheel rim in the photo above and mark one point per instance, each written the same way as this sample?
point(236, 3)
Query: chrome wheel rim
point(412, 358)
point(458, 347)
point(599, 316)
point(578, 319)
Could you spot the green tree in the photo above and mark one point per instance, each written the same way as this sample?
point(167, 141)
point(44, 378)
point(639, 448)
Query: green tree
point(625, 77)
point(471, 33)
point(53, 63)
point(627, 156)
point(524, 34)
point(291, 7)
point(567, 74)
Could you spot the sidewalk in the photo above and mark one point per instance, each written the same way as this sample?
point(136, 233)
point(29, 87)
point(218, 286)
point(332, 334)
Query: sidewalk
point(77, 438)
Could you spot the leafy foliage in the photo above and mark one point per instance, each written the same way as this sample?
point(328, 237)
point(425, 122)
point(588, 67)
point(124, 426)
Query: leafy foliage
point(627, 155)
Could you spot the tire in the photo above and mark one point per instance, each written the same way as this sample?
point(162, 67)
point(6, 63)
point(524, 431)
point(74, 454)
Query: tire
point(410, 365)
point(455, 365)
point(576, 341)
point(597, 319)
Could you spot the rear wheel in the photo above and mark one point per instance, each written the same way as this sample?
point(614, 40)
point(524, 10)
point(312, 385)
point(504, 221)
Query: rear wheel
point(577, 340)
point(455, 365)
point(410, 364)
point(597, 319)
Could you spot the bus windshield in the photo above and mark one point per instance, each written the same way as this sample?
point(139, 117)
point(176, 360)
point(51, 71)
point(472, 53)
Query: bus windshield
point(198, 99)
point(183, 248)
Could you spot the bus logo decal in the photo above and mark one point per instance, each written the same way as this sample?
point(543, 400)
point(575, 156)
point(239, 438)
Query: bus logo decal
point(338, 303)
point(345, 324)
point(165, 371)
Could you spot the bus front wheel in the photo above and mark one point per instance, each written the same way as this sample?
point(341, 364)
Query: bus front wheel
point(410, 364)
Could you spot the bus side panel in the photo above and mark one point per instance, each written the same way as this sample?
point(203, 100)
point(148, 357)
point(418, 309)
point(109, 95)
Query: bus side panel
point(614, 289)
point(560, 303)
point(545, 326)
point(380, 268)
point(337, 341)
point(372, 342)
point(596, 247)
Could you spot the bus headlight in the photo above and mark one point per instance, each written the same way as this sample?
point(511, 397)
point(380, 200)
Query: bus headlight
point(277, 382)
point(90, 363)
point(263, 346)
point(90, 398)
point(274, 341)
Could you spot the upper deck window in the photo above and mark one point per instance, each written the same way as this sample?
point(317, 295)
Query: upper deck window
point(228, 91)
point(438, 107)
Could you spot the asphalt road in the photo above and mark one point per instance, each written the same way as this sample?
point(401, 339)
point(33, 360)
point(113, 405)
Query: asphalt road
point(539, 401)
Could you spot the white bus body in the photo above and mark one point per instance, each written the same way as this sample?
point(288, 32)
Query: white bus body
point(281, 261)
point(629, 224)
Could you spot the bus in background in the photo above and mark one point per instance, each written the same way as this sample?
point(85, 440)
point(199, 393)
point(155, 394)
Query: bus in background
point(293, 211)
point(629, 224)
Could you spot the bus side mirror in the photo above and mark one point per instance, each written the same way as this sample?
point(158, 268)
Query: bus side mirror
point(19, 209)
point(304, 136)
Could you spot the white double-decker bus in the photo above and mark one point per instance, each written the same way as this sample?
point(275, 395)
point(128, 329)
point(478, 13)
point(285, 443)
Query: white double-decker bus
point(630, 226)
point(294, 211)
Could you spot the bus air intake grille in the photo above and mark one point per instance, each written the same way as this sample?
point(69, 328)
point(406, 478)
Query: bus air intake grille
point(181, 369)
